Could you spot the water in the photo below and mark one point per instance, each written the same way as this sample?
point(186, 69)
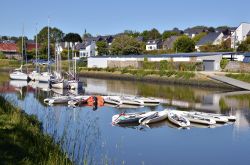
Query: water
point(88, 135)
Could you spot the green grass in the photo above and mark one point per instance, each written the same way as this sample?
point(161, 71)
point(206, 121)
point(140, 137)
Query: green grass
point(241, 76)
point(22, 140)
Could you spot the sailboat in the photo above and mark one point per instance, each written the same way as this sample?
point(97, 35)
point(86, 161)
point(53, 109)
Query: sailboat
point(46, 76)
point(18, 73)
point(74, 82)
point(34, 76)
point(58, 81)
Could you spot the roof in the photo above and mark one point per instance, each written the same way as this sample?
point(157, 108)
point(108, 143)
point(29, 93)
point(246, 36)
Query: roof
point(194, 54)
point(151, 42)
point(209, 38)
point(194, 30)
point(31, 46)
point(8, 47)
point(248, 34)
point(169, 42)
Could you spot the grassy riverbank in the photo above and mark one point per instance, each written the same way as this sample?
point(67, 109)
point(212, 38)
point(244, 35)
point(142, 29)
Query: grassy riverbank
point(240, 76)
point(22, 140)
point(167, 77)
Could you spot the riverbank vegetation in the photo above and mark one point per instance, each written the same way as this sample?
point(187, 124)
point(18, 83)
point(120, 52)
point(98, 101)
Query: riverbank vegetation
point(240, 76)
point(22, 140)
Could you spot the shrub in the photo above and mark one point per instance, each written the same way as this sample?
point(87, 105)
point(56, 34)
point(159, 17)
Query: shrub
point(223, 63)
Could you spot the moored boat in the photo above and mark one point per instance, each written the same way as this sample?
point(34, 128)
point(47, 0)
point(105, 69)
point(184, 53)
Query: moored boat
point(177, 119)
point(58, 100)
point(125, 118)
point(156, 117)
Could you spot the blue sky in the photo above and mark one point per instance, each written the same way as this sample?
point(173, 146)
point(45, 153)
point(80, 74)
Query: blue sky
point(114, 16)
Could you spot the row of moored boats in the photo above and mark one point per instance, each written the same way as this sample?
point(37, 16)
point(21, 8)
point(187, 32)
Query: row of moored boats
point(179, 118)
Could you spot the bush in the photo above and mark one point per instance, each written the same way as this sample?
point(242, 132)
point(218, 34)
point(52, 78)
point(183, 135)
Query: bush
point(110, 69)
point(2, 56)
point(223, 63)
point(124, 70)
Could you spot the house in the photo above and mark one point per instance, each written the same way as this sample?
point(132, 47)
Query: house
point(86, 49)
point(9, 50)
point(240, 34)
point(192, 32)
point(169, 42)
point(214, 38)
point(153, 45)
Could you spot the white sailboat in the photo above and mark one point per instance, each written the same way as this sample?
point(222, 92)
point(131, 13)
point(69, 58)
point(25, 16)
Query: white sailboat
point(46, 76)
point(74, 82)
point(34, 75)
point(18, 73)
point(58, 81)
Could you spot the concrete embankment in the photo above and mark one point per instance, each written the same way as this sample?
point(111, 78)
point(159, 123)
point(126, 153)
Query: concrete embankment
point(198, 82)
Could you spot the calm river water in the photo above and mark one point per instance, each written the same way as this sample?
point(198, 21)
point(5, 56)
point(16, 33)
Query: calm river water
point(88, 136)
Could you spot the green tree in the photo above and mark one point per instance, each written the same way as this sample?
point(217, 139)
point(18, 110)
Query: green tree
point(151, 34)
point(125, 45)
point(102, 48)
point(131, 33)
point(2, 56)
point(199, 36)
point(184, 44)
point(19, 44)
point(167, 34)
point(72, 37)
point(244, 46)
point(56, 35)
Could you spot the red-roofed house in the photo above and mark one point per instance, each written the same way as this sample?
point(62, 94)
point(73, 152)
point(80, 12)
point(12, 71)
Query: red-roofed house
point(9, 49)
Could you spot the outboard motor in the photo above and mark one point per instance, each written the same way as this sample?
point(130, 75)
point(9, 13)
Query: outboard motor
point(95, 103)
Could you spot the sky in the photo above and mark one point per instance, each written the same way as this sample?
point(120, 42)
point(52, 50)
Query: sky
point(103, 17)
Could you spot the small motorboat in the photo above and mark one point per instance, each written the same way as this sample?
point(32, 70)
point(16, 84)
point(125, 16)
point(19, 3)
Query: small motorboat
point(58, 100)
point(156, 117)
point(217, 117)
point(126, 118)
point(78, 100)
point(199, 118)
point(130, 101)
point(148, 100)
point(178, 119)
point(114, 100)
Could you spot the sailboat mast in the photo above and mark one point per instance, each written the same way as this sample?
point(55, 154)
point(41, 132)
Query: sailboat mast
point(36, 50)
point(22, 45)
point(48, 48)
point(75, 65)
point(68, 58)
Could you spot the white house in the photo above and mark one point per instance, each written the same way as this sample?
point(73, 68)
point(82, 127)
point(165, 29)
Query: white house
point(240, 34)
point(214, 38)
point(87, 49)
point(153, 45)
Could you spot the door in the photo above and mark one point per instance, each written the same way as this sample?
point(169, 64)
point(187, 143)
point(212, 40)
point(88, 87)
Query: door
point(209, 65)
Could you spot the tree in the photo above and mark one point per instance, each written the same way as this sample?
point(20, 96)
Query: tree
point(72, 37)
point(131, 33)
point(152, 34)
point(102, 48)
point(184, 44)
point(167, 34)
point(125, 45)
point(55, 35)
point(199, 36)
point(244, 46)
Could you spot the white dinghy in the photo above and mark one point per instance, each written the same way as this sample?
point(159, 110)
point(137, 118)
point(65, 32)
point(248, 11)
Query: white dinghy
point(126, 118)
point(178, 120)
point(114, 100)
point(58, 100)
point(18, 74)
point(156, 117)
point(218, 118)
point(199, 119)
